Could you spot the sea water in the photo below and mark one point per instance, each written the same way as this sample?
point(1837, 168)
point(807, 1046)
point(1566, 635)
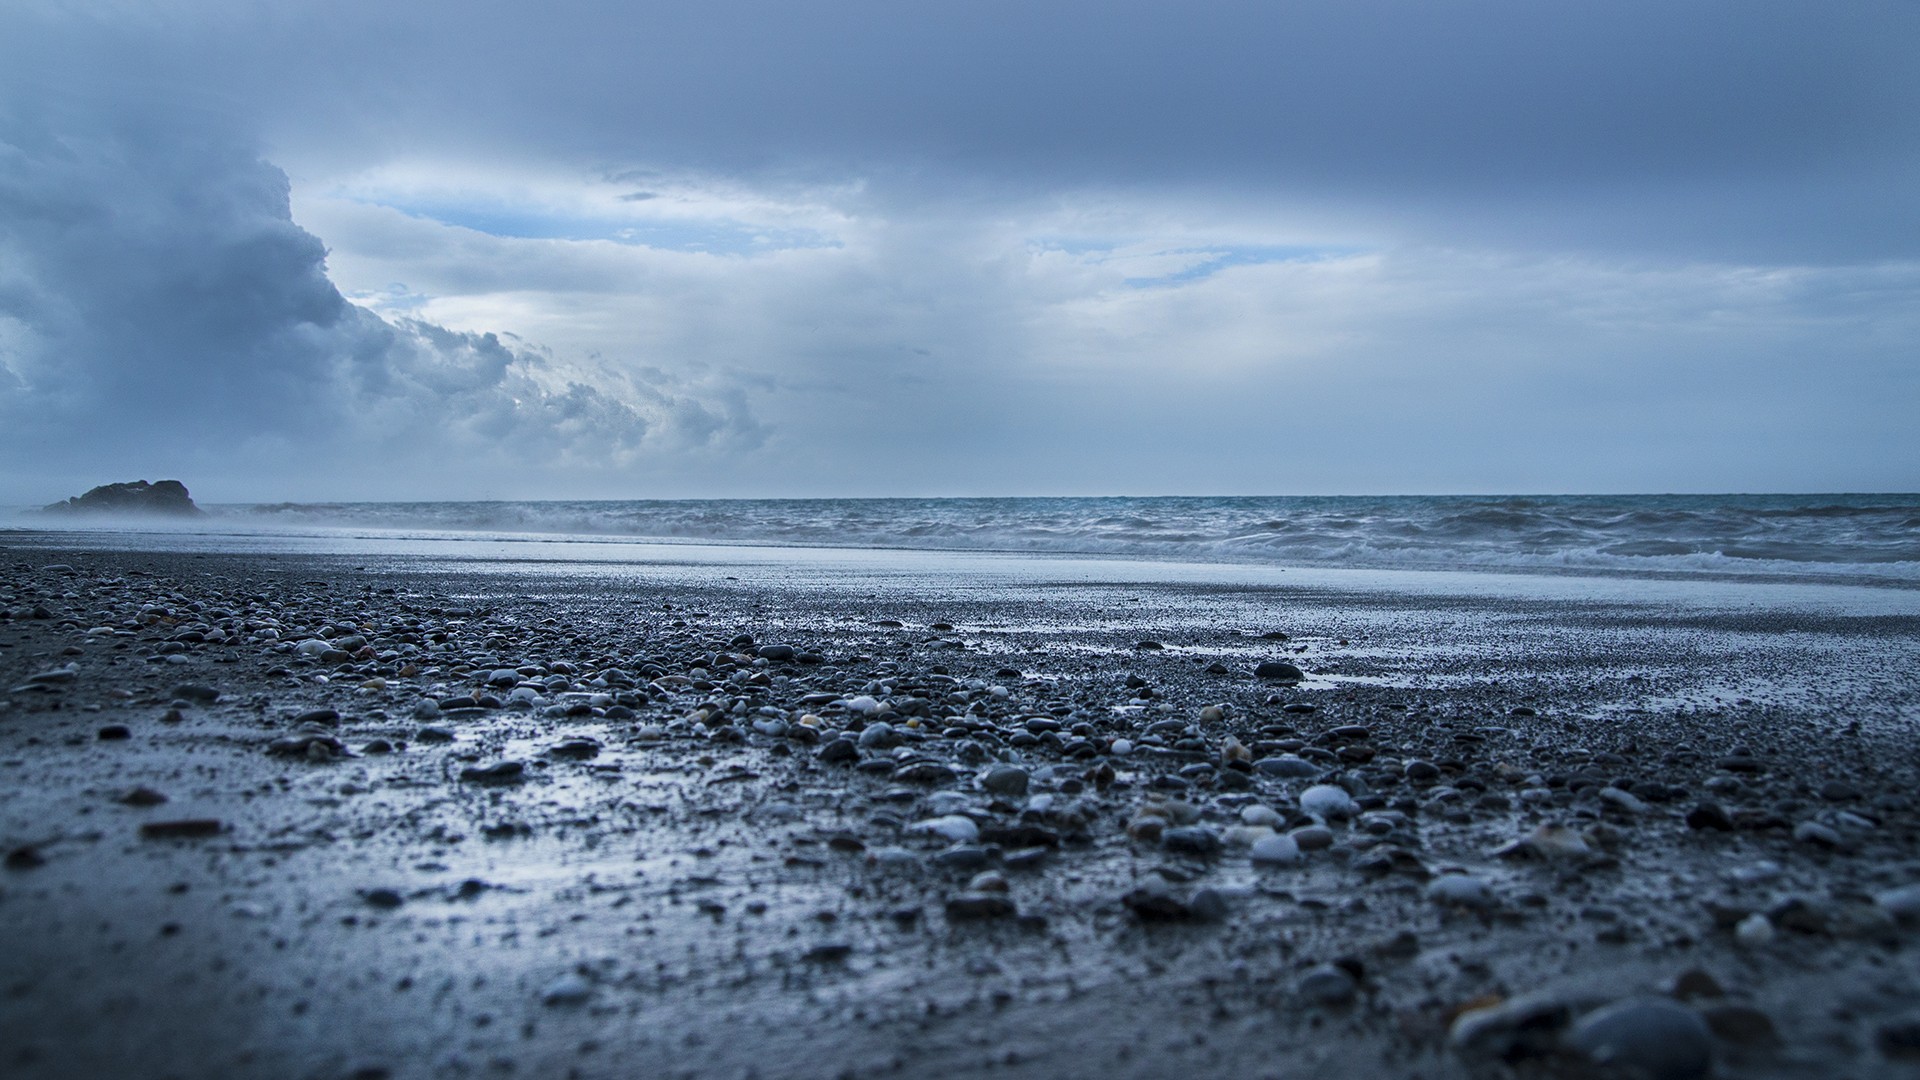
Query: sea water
point(1865, 538)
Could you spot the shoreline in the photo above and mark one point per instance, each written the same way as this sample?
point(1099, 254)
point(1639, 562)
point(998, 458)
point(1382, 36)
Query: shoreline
point(695, 895)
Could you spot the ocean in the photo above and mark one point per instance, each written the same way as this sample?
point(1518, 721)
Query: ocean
point(1866, 539)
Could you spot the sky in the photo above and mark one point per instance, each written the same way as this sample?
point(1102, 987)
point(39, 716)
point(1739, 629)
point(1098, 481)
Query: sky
point(753, 248)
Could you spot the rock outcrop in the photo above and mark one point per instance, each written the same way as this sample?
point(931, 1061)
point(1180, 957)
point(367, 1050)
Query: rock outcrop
point(166, 498)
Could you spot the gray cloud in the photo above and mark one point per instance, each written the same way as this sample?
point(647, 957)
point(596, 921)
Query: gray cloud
point(1767, 129)
point(163, 313)
point(985, 248)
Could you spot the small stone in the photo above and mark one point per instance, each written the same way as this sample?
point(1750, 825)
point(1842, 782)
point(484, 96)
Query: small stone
point(1327, 802)
point(1651, 1038)
point(1902, 903)
point(1753, 931)
point(500, 772)
point(1280, 670)
point(568, 989)
point(778, 654)
point(1258, 816)
point(1287, 766)
point(976, 906)
point(988, 881)
point(1312, 837)
point(838, 750)
point(25, 857)
point(1005, 780)
point(1812, 832)
point(1329, 985)
point(1899, 1039)
point(115, 733)
point(182, 829)
point(1695, 983)
point(1191, 840)
point(879, 736)
point(143, 796)
point(1276, 851)
point(1460, 890)
point(199, 693)
point(955, 828)
point(1546, 842)
point(385, 899)
point(1742, 1025)
point(1710, 815)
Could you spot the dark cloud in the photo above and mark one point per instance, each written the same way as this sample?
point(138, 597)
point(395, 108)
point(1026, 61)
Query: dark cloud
point(162, 311)
point(1757, 129)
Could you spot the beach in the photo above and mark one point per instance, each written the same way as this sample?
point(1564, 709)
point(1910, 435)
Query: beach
point(366, 807)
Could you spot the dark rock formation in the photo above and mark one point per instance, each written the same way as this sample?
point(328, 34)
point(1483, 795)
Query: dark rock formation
point(168, 498)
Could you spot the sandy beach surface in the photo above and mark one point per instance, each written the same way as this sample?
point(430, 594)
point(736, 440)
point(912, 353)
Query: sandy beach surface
point(368, 809)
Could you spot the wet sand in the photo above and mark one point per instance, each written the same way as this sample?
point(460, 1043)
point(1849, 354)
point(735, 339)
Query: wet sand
point(238, 844)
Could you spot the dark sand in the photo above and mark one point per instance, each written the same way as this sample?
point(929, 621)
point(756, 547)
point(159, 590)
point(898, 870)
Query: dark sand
point(699, 898)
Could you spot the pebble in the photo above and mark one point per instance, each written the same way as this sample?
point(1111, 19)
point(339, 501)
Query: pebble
point(1279, 669)
point(1460, 890)
point(1005, 780)
point(955, 828)
point(879, 736)
point(1287, 766)
point(1753, 931)
point(1650, 1038)
point(1276, 851)
point(568, 989)
point(1327, 802)
point(1902, 903)
point(1191, 840)
point(500, 772)
point(1329, 984)
point(975, 906)
point(1312, 837)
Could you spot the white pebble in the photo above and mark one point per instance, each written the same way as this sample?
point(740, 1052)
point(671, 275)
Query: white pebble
point(1276, 851)
point(1327, 802)
point(1261, 815)
point(953, 827)
point(1754, 930)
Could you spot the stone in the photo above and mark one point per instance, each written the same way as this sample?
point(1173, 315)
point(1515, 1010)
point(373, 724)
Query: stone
point(1327, 802)
point(978, 906)
point(1710, 815)
point(1546, 842)
point(1513, 1030)
point(1287, 766)
point(1280, 670)
point(1328, 984)
point(954, 828)
point(181, 829)
point(568, 989)
point(1005, 780)
point(1191, 840)
point(1648, 1038)
point(1902, 903)
point(1276, 851)
point(500, 772)
point(1743, 1025)
point(842, 749)
point(879, 736)
point(1460, 890)
point(1312, 837)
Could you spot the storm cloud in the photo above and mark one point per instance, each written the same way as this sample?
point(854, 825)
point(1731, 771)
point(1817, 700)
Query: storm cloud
point(755, 248)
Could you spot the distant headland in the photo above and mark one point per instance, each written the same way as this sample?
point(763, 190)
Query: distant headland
point(165, 498)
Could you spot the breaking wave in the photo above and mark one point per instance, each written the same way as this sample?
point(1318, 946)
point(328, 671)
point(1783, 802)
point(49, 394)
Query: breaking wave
point(1862, 536)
